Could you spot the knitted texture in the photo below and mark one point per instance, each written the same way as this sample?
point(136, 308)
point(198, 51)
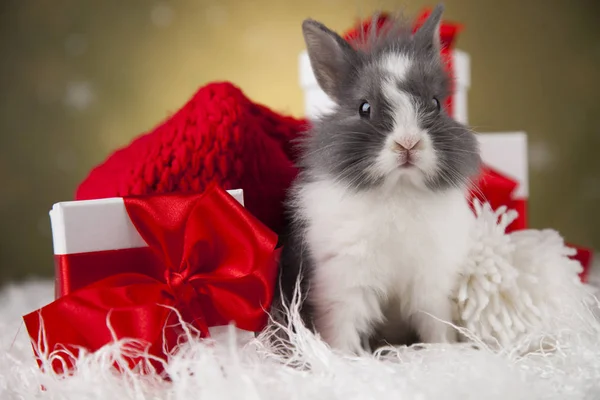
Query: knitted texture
point(218, 136)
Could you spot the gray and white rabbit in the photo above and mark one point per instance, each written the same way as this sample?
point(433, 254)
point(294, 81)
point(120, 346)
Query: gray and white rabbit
point(379, 216)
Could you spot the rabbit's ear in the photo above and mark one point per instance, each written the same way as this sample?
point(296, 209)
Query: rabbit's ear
point(330, 56)
point(428, 34)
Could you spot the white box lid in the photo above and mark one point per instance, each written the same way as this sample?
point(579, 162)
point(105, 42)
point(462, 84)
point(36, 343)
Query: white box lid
point(506, 152)
point(97, 225)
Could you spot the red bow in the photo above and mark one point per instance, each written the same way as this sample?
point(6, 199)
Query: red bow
point(214, 264)
point(448, 33)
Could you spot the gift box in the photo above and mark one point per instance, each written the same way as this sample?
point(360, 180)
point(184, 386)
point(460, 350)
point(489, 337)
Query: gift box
point(95, 239)
point(153, 268)
point(504, 181)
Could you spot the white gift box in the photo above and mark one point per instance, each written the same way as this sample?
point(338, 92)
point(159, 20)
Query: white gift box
point(97, 225)
point(102, 225)
point(504, 151)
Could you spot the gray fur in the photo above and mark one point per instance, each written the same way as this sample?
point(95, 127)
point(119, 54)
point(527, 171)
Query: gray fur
point(342, 146)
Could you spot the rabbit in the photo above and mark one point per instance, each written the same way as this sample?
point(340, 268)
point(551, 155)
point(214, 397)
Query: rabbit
point(379, 220)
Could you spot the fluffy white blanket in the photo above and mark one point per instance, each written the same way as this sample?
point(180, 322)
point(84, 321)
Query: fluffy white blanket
point(564, 362)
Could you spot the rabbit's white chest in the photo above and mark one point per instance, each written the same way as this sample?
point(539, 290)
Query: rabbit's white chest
point(397, 243)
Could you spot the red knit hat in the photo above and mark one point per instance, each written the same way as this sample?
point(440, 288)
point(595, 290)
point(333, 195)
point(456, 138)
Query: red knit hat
point(218, 136)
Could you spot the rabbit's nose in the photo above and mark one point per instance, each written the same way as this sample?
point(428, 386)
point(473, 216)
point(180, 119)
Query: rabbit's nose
point(407, 143)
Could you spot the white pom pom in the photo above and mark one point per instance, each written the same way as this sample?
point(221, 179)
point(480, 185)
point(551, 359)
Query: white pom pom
point(518, 285)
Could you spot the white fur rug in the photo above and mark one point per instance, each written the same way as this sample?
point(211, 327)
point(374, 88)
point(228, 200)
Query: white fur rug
point(226, 370)
point(524, 280)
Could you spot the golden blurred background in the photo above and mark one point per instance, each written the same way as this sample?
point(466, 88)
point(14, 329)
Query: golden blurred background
point(79, 79)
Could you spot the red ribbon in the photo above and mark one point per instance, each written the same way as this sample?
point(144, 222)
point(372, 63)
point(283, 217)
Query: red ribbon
point(75, 271)
point(208, 258)
point(498, 190)
point(362, 30)
point(448, 33)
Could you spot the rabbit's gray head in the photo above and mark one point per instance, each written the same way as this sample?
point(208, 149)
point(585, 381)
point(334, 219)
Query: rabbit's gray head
point(388, 124)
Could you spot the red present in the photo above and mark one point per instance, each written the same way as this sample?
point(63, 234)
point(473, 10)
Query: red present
point(149, 262)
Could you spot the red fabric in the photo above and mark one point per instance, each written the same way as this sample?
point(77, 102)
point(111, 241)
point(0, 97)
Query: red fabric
point(362, 30)
point(218, 136)
point(75, 271)
point(218, 265)
point(520, 206)
point(498, 189)
point(584, 256)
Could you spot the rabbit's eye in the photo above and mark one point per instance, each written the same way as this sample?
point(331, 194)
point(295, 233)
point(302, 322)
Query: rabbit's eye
point(436, 103)
point(364, 110)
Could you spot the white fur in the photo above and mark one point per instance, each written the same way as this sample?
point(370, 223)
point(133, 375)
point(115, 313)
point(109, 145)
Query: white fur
point(227, 369)
point(398, 243)
point(406, 130)
point(397, 65)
